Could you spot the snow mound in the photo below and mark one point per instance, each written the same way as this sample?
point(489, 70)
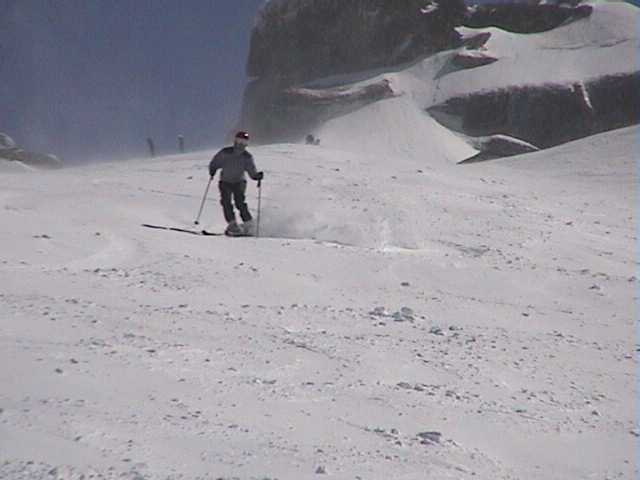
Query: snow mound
point(394, 131)
point(10, 166)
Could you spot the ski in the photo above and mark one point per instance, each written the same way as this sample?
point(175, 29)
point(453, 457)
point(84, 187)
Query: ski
point(205, 233)
point(239, 235)
point(183, 230)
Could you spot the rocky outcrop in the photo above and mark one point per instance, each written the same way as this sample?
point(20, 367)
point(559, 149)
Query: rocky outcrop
point(10, 152)
point(304, 40)
point(470, 59)
point(546, 115)
point(526, 17)
point(476, 40)
point(6, 141)
point(298, 110)
point(296, 41)
point(498, 146)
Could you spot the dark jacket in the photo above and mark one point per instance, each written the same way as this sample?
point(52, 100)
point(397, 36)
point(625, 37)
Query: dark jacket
point(233, 164)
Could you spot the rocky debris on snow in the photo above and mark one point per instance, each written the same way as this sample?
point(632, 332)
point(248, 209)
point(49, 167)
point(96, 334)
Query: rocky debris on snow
point(31, 470)
point(11, 152)
point(321, 470)
point(405, 314)
point(430, 438)
point(435, 330)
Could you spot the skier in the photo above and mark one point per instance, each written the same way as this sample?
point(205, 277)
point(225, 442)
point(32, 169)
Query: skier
point(234, 161)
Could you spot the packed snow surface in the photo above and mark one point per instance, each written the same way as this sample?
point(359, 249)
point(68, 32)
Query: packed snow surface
point(398, 319)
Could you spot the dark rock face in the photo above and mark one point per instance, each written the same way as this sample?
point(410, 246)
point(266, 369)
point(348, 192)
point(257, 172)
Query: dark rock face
point(525, 17)
point(546, 115)
point(296, 41)
point(305, 40)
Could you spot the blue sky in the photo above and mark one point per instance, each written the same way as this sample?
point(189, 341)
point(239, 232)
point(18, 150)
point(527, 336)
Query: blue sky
point(94, 78)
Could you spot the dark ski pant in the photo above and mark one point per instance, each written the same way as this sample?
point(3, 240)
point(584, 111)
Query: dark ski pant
point(237, 191)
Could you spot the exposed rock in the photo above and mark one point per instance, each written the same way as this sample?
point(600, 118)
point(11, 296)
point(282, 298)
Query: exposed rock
point(498, 146)
point(304, 40)
point(479, 40)
point(296, 110)
point(338, 98)
point(6, 141)
point(430, 438)
point(295, 41)
point(436, 331)
point(472, 59)
point(405, 314)
point(379, 312)
point(11, 152)
point(526, 17)
point(546, 115)
point(33, 159)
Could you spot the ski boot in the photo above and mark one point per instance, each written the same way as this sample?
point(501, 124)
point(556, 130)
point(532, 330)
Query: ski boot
point(233, 229)
point(248, 228)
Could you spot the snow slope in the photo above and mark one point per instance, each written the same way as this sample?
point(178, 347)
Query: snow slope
point(400, 319)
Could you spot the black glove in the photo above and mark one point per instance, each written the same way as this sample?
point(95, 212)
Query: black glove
point(260, 176)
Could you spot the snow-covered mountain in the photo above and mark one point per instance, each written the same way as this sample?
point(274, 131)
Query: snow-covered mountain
point(400, 316)
point(542, 88)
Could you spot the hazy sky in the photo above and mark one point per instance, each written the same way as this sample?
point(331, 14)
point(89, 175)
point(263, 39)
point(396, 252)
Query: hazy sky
point(95, 78)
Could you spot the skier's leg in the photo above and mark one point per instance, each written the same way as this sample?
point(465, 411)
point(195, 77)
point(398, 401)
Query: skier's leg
point(239, 199)
point(226, 190)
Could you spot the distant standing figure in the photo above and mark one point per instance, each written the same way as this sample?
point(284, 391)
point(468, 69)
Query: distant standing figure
point(152, 147)
point(234, 161)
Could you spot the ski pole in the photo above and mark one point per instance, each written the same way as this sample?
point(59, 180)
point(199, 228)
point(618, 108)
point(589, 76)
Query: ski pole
point(204, 198)
point(259, 201)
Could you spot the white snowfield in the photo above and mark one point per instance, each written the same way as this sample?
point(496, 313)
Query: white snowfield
point(395, 322)
point(401, 317)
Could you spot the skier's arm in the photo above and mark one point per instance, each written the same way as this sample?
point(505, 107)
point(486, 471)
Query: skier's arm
point(214, 165)
point(250, 167)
